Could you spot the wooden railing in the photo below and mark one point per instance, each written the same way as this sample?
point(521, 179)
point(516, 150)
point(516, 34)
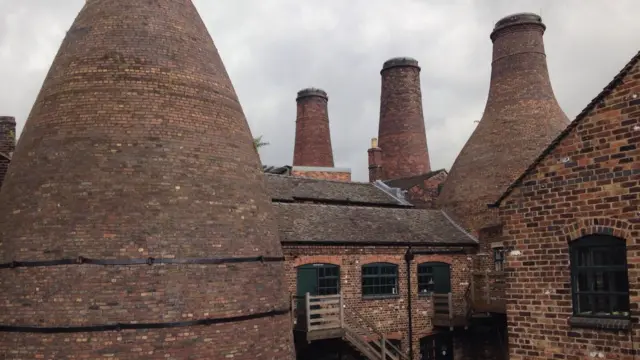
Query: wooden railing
point(318, 312)
point(360, 325)
point(488, 292)
point(325, 316)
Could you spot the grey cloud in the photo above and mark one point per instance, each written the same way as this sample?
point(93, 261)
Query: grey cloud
point(274, 48)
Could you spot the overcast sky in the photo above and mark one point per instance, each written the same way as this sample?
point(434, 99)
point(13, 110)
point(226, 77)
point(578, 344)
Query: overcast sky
point(273, 48)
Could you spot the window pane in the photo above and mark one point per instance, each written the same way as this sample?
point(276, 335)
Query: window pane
point(599, 275)
point(621, 305)
point(379, 279)
point(584, 305)
point(620, 281)
point(601, 282)
point(583, 282)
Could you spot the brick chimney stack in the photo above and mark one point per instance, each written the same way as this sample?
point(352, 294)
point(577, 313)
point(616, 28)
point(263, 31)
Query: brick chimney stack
point(313, 137)
point(128, 196)
point(401, 131)
point(7, 143)
point(521, 118)
point(375, 161)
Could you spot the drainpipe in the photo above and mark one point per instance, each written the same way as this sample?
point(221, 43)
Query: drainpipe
point(408, 256)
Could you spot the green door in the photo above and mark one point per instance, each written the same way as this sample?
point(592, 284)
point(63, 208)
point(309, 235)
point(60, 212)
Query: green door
point(441, 278)
point(307, 281)
point(315, 279)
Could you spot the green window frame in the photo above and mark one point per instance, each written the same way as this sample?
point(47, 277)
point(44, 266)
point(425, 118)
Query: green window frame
point(328, 280)
point(434, 277)
point(599, 277)
point(379, 279)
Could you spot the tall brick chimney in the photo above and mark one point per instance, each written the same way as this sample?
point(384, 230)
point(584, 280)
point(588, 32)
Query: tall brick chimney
point(375, 161)
point(7, 143)
point(520, 119)
point(401, 132)
point(131, 190)
point(313, 138)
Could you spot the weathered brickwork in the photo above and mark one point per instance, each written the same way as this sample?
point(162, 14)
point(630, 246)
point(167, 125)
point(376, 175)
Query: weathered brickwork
point(587, 182)
point(401, 131)
point(390, 314)
point(7, 143)
point(313, 137)
point(521, 117)
point(323, 175)
point(137, 147)
point(424, 195)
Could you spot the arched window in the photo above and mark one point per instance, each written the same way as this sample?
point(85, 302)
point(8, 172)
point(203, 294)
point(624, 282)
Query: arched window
point(379, 279)
point(434, 277)
point(599, 279)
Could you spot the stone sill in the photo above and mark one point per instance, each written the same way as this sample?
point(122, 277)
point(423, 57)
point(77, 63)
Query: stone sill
point(599, 323)
point(380, 297)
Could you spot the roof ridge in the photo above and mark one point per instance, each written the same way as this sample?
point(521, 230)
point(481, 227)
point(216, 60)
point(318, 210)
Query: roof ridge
point(606, 91)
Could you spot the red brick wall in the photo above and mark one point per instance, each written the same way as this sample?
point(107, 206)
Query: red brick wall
point(589, 183)
point(389, 315)
point(424, 195)
point(323, 175)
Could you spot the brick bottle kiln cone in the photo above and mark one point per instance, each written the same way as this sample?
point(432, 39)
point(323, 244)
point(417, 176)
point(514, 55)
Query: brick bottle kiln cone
point(401, 130)
point(134, 176)
point(521, 117)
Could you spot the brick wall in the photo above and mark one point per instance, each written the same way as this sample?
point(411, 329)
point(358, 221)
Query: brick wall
point(390, 314)
point(323, 175)
point(7, 143)
point(424, 195)
point(588, 183)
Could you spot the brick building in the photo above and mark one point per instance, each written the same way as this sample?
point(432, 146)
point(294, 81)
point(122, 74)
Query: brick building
point(571, 225)
point(411, 264)
point(380, 253)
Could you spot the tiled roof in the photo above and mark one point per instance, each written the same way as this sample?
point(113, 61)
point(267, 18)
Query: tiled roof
point(288, 188)
point(411, 181)
point(578, 120)
point(318, 223)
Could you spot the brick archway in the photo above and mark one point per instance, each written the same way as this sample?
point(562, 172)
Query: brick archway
point(600, 225)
